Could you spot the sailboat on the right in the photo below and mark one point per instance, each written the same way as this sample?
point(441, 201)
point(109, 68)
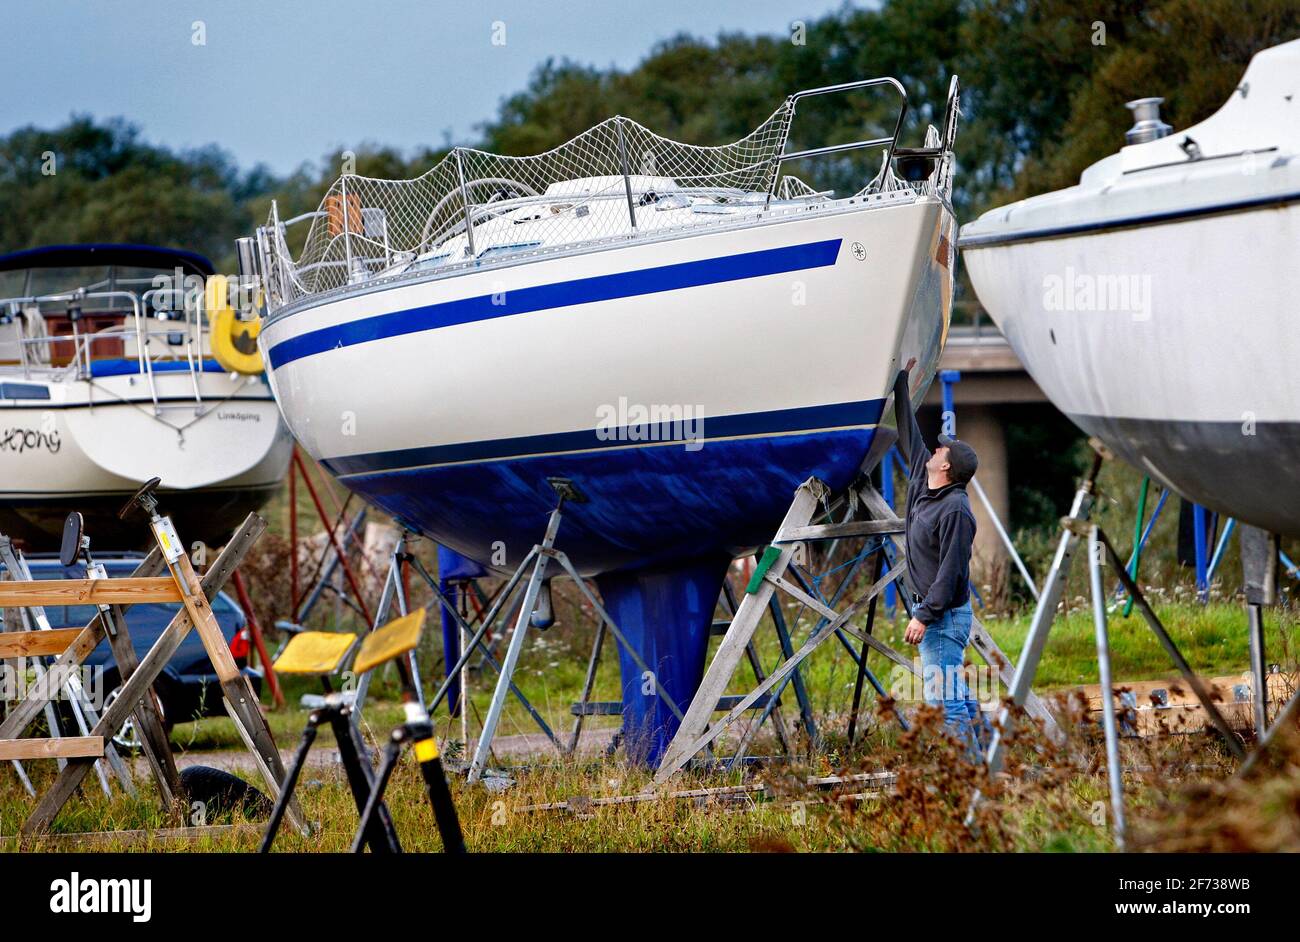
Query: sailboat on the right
point(1157, 303)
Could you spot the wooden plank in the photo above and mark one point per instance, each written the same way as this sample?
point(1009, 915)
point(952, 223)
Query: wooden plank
point(757, 789)
point(204, 621)
point(125, 591)
point(241, 702)
point(65, 747)
point(581, 804)
point(110, 840)
point(838, 531)
point(615, 707)
point(1176, 693)
point(52, 641)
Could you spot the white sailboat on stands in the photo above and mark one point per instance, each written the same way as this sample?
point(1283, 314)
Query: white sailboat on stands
point(1155, 302)
point(683, 332)
point(115, 369)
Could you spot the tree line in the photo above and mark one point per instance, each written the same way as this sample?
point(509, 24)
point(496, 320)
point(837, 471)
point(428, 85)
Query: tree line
point(1045, 83)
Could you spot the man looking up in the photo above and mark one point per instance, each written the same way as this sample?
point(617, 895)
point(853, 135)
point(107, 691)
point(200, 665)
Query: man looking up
point(940, 529)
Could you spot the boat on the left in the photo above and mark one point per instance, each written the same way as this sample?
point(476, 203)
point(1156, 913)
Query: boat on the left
point(116, 368)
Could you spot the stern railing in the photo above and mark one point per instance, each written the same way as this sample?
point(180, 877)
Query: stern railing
point(37, 353)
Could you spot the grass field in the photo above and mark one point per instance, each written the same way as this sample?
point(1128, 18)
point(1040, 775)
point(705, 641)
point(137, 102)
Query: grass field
point(1053, 800)
point(551, 673)
point(1179, 792)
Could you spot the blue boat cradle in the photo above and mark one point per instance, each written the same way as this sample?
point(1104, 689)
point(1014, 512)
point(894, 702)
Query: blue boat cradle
point(456, 574)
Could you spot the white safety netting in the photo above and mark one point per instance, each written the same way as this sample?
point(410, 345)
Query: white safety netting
point(598, 185)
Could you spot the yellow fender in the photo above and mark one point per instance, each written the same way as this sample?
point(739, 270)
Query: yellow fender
point(234, 342)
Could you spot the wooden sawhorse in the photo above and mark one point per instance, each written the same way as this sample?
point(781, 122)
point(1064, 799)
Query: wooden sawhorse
point(182, 584)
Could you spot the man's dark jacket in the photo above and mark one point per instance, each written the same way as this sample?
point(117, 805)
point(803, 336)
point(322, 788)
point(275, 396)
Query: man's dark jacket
point(940, 525)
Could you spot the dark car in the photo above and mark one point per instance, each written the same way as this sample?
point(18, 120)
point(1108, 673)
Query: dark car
point(187, 686)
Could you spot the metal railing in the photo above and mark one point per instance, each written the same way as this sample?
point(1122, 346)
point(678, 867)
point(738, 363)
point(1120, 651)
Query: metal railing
point(136, 325)
point(471, 202)
point(891, 140)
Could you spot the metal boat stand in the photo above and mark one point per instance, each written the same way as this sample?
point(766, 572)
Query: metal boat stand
point(1049, 598)
point(537, 560)
point(869, 516)
point(1100, 554)
point(402, 561)
point(1077, 526)
point(394, 591)
point(1260, 555)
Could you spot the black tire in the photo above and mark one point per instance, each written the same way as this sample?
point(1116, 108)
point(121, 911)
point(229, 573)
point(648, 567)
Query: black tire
point(223, 793)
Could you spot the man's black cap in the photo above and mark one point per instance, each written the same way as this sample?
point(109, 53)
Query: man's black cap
point(962, 460)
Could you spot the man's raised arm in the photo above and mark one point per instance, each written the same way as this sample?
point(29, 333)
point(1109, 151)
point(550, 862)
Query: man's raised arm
point(910, 444)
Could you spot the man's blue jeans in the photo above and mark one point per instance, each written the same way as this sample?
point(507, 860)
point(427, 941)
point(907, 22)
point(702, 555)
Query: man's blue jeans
point(943, 654)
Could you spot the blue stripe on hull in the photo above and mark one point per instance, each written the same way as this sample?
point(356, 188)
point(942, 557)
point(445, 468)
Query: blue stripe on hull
point(776, 422)
point(628, 284)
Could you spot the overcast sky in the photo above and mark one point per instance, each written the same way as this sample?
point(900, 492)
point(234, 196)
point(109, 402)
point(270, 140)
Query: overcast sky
point(284, 81)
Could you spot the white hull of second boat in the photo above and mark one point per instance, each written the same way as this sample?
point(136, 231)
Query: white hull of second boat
point(1196, 382)
point(1181, 323)
point(69, 444)
point(1154, 303)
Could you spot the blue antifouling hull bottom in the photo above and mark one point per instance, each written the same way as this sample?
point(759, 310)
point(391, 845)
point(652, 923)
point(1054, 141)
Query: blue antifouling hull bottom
point(657, 530)
point(665, 615)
